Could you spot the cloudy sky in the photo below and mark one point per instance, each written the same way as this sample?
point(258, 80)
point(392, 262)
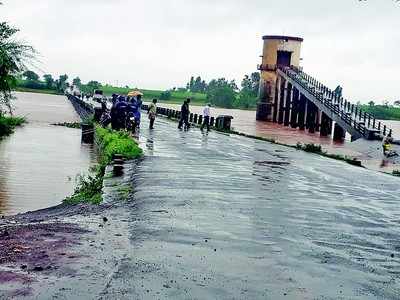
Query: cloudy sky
point(160, 43)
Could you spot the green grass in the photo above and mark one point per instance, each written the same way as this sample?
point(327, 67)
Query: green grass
point(110, 142)
point(7, 124)
point(116, 142)
point(382, 112)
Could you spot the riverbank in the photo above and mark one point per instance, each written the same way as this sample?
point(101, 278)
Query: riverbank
point(37, 91)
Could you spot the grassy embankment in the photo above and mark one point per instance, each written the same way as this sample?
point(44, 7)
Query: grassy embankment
point(7, 124)
point(177, 97)
point(383, 112)
point(109, 142)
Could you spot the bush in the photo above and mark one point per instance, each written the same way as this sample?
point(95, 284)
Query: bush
point(7, 124)
point(165, 95)
point(116, 142)
point(88, 189)
point(312, 148)
point(396, 172)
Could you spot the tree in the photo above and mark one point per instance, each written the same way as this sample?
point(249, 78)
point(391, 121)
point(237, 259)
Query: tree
point(396, 103)
point(61, 83)
point(221, 93)
point(13, 56)
point(77, 82)
point(255, 82)
point(30, 75)
point(93, 85)
point(49, 81)
point(371, 103)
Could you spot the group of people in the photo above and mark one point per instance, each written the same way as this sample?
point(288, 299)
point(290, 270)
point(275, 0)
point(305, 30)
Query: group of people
point(185, 113)
point(124, 113)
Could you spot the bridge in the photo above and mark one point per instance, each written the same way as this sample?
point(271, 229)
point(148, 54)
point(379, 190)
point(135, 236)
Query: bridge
point(291, 97)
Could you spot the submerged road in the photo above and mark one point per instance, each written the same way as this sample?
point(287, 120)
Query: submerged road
point(225, 217)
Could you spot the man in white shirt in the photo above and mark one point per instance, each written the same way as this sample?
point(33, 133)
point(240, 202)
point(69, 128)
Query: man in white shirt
point(206, 116)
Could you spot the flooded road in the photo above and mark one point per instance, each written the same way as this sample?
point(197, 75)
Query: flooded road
point(39, 162)
point(226, 217)
point(369, 152)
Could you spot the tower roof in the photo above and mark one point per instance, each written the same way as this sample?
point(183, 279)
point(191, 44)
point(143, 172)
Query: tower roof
point(282, 37)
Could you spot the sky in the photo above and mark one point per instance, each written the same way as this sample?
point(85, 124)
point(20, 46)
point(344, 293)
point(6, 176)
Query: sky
point(159, 44)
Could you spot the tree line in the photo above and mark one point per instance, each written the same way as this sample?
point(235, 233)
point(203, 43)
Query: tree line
point(30, 79)
point(226, 93)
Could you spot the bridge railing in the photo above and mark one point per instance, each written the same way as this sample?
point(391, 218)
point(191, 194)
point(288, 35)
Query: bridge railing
point(347, 111)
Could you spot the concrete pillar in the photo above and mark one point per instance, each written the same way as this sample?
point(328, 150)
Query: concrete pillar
point(326, 125)
point(318, 120)
point(288, 104)
point(311, 117)
point(295, 108)
point(301, 120)
point(338, 133)
point(282, 95)
point(275, 116)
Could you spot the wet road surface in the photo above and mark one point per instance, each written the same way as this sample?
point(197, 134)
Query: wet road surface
point(226, 217)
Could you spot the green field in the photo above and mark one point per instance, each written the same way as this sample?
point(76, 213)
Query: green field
point(177, 97)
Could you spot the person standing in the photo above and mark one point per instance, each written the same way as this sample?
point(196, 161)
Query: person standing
point(185, 111)
point(152, 113)
point(206, 115)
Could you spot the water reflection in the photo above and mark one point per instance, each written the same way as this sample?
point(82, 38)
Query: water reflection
point(39, 162)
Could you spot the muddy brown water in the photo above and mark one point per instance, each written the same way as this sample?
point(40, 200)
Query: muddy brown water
point(39, 162)
point(369, 152)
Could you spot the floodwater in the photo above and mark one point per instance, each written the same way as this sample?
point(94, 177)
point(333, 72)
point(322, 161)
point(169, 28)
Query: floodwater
point(39, 162)
point(369, 152)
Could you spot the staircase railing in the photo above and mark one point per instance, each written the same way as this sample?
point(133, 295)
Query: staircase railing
point(347, 111)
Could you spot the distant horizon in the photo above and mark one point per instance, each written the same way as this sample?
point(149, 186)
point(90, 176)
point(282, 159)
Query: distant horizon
point(160, 44)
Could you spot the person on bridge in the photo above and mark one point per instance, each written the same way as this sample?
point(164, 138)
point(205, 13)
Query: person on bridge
point(113, 111)
point(152, 113)
point(185, 112)
point(206, 115)
point(121, 112)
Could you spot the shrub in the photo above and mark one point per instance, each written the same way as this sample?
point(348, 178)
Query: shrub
point(165, 95)
point(312, 148)
point(116, 142)
point(7, 124)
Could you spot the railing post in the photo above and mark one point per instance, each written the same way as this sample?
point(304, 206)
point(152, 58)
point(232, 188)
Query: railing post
point(373, 123)
point(384, 130)
point(390, 132)
point(379, 125)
